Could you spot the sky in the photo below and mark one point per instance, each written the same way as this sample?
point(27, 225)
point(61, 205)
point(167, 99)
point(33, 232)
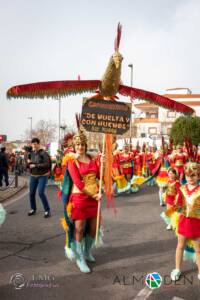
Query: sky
point(44, 40)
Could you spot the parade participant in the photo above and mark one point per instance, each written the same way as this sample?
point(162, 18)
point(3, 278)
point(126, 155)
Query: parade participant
point(39, 164)
point(170, 195)
point(137, 162)
point(162, 177)
point(139, 166)
point(189, 221)
point(126, 162)
point(178, 160)
point(68, 148)
point(126, 159)
point(120, 183)
point(144, 156)
point(68, 143)
point(81, 203)
point(57, 169)
point(152, 157)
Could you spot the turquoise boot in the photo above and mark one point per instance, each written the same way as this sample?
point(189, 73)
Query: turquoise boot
point(87, 247)
point(69, 253)
point(161, 198)
point(80, 259)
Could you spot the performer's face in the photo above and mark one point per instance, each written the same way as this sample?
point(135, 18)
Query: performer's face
point(179, 150)
point(80, 148)
point(192, 179)
point(171, 175)
point(126, 149)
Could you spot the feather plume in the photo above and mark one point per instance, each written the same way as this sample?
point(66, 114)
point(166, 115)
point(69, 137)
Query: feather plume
point(78, 120)
point(118, 38)
point(52, 89)
point(155, 99)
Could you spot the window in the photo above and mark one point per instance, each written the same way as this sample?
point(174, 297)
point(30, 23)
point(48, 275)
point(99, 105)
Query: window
point(152, 130)
point(171, 114)
point(151, 115)
point(168, 130)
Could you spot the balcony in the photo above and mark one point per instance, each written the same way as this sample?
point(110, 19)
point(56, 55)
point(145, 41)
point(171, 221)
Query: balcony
point(145, 120)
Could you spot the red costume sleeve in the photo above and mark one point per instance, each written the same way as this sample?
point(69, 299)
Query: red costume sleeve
point(179, 198)
point(97, 161)
point(75, 175)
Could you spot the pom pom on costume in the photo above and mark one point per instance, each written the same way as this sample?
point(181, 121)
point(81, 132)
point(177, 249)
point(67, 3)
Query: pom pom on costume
point(2, 214)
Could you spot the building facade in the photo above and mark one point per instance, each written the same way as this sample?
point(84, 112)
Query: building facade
point(155, 121)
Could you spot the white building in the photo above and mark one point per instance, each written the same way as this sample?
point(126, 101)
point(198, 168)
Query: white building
point(154, 121)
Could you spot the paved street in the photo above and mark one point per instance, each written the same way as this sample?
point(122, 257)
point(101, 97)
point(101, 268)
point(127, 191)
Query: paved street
point(135, 244)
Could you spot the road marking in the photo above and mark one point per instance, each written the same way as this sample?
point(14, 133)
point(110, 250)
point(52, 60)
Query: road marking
point(143, 294)
point(177, 298)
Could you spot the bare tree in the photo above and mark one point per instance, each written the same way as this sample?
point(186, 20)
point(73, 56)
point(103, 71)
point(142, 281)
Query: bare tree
point(44, 130)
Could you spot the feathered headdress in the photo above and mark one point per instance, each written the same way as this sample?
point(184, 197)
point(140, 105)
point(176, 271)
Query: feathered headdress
point(192, 153)
point(192, 168)
point(80, 136)
point(68, 137)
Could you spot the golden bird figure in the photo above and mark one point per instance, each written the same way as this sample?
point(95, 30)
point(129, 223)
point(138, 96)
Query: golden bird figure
point(109, 86)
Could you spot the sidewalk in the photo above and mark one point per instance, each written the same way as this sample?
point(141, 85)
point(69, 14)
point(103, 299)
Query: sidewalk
point(8, 192)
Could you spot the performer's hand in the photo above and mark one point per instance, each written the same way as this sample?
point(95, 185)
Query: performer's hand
point(97, 197)
point(103, 159)
point(32, 166)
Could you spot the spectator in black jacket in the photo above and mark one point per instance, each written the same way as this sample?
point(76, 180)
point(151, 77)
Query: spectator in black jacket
point(39, 163)
point(3, 167)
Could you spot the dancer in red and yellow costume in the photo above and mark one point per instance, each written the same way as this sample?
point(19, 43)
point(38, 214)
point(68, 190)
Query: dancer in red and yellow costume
point(178, 160)
point(126, 162)
point(152, 157)
point(137, 162)
point(188, 221)
point(81, 196)
point(120, 183)
point(162, 177)
point(170, 196)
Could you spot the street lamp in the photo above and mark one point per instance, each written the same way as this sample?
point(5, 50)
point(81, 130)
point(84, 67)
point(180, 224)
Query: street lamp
point(59, 120)
point(131, 67)
point(31, 129)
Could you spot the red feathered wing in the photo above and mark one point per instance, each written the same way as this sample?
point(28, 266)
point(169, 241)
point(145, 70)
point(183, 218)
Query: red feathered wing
point(53, 89)
point(155, 99)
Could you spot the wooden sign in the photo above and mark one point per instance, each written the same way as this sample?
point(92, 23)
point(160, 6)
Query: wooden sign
point(105, 116)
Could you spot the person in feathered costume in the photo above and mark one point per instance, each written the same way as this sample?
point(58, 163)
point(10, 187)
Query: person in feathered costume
point(152, 157)
point(126, 166)
point(68, 143)
point(120, 183)
point(187, 223)
point(178, 160)
point(170, 196)
point(80, 195)
point(57, 169)
point(162, 177)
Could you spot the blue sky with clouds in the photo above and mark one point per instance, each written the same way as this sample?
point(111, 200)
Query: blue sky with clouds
point(45, 40)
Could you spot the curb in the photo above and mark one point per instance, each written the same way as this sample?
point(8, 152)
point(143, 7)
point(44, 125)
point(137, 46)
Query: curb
point(13, 192)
